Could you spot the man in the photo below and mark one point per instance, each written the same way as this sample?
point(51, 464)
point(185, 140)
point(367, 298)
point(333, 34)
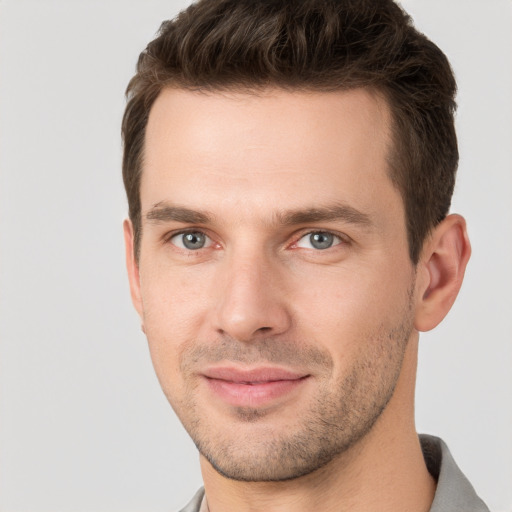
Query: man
point(289, 168)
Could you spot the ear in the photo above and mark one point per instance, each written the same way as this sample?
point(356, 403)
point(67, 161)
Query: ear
point(441, 271)
point(132, 267)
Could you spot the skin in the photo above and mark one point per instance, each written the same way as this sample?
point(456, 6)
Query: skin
point(246, 172)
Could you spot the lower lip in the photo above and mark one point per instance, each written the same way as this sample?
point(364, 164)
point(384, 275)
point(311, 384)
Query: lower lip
point(255, 394)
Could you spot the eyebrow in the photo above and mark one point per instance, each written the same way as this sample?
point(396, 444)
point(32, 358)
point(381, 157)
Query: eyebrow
point(164, 212)
point(338, 212)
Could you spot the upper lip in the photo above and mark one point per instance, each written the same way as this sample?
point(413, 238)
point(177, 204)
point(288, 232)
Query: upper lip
point(254, 375)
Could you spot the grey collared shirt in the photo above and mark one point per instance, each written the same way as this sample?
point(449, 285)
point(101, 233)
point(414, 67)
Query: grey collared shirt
point(454, 493)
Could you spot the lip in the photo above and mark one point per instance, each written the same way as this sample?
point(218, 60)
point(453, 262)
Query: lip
point(254, 387)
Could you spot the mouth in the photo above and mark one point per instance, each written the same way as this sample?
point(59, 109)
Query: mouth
point(255, 387)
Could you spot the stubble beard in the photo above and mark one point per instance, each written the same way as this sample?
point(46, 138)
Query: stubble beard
point(344, 410)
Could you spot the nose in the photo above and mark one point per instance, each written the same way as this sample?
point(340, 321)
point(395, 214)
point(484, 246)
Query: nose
point(251, 299)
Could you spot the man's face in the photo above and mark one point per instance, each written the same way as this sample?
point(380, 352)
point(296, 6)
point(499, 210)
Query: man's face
point(274, 281)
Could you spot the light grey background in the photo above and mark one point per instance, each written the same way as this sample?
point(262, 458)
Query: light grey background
point(83, 423)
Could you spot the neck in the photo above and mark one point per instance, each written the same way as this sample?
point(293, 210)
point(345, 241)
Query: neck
point(384, 471)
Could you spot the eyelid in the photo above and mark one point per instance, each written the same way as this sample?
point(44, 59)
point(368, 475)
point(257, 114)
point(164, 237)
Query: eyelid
point(343, 239)
point(180, 232)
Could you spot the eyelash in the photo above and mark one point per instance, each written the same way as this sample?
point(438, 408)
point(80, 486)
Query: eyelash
point(170, 236)
point(343, 239)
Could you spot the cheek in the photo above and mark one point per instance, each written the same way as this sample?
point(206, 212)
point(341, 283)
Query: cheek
point(173, 308)
point(342, 307)
point(172, 299)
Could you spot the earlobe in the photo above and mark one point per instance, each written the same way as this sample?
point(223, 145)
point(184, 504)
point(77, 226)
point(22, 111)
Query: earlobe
point(442, 266)
point(132, 267)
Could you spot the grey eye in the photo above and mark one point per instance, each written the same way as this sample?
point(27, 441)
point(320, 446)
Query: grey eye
point(321, 240)
point(318, 240)
point(192, 240)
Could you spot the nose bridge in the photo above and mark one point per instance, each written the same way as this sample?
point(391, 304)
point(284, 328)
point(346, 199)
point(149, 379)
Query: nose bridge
point(251, 301)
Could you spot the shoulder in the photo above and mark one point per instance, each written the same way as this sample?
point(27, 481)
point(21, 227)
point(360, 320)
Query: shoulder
point(454, 491)
point(194, 505)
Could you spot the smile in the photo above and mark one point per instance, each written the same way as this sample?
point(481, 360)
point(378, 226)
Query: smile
point(252, 388)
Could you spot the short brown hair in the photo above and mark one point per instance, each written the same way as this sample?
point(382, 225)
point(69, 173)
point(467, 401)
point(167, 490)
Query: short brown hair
point(319, 45)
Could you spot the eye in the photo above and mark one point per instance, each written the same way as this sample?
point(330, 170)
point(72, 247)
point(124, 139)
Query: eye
point(319, 240)
point(191, 240)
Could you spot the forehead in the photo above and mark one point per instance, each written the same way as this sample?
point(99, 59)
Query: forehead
point(273, 145)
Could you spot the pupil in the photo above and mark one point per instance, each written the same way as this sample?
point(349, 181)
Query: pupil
point(321, 240)
point(193, 240)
